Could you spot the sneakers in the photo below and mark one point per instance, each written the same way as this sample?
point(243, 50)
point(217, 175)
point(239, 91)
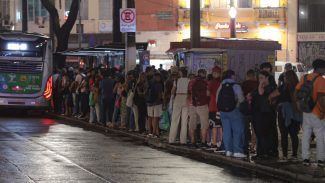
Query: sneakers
point(229, 154)
point(306, 162)
point(321, 163)
point(239, 155)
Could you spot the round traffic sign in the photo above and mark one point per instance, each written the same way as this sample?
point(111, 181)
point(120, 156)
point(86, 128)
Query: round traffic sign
point(127, 16)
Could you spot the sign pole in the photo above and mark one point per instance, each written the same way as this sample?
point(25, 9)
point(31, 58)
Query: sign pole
point(128, 26)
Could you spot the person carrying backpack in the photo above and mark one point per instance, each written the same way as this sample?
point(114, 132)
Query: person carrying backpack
point(310, 93)
point(229, 96)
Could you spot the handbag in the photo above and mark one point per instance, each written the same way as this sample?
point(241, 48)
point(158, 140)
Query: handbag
point(164, 122)
point(130, 98)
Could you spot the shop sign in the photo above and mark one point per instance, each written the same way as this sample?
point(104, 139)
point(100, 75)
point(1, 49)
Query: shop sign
point(239, 27)
point(311, 37)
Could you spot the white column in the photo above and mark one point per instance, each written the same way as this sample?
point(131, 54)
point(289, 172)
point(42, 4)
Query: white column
point(292, 24)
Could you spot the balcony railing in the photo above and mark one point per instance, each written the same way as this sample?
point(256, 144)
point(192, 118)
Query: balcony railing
point(270, 14)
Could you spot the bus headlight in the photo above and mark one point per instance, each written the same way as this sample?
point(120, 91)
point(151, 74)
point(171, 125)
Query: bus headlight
point(48, 90)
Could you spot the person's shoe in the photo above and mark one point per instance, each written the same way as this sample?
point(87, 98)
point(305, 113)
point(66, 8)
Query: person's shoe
point(192, 146)
point(257, 158)
point(294, 158)
point(321, 163)
point(149, 135)
point(306, 162)
point(220, 150)
point(229, 154)
point(239, 155)
point(204, 146)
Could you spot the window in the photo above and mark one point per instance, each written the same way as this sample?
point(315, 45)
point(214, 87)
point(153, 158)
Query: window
point(311, 16)
point(4, 8)
point(226, 3)
point(36, 10)
point(203, 3)
point(105, 9)
point(83, 8)
point(278, 69)
point(269, 3)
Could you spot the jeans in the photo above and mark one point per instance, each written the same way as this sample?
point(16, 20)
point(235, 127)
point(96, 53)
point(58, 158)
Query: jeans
point(233, 131)
point(292, 130)
point(311, 123)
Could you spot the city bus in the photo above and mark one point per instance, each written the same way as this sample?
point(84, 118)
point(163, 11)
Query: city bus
point(25, 70)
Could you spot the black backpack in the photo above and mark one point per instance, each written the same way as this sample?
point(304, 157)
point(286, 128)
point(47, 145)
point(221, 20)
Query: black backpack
point(227, 98)
point(304, 96)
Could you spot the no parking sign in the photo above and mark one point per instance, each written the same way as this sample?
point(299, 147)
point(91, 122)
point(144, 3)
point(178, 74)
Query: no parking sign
point(128, 20)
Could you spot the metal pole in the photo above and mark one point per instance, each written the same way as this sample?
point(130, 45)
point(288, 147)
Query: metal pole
point(51, 30)
point(79, 28)
point(24, 16)
point(195, 14)
point(117, 35)
point(232, 25)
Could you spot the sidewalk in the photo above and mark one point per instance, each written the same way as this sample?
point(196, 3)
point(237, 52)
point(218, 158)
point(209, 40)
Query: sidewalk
point(287, 171)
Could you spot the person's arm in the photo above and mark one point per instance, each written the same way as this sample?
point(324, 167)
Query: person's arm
point(274, 94)
point(240, 94)
point(321, 100)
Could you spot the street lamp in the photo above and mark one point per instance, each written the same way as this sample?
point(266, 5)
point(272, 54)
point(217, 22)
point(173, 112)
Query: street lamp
point(233, 15)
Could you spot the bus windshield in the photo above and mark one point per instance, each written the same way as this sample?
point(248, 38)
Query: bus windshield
point(22, 48)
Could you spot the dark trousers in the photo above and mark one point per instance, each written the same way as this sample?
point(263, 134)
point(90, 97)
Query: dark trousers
point(84, 97)
point(266, 134)
point(142, 108)
point(107, 106)
point(292, 130)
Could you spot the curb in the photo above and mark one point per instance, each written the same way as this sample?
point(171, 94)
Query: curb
point(281, 174)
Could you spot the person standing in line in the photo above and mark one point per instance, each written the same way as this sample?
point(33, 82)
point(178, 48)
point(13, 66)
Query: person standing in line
point(215, 124)
point(77, 104)
point(289, 118)
point(140, 102)
point(264, 119)
point(229, 96)
point(106, 87)
point(154, 99)
point(180, 109)
point(200, 110)
point(314, 121)
point(249, 86)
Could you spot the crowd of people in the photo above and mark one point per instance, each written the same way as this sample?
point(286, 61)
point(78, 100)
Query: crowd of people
point(208, 111)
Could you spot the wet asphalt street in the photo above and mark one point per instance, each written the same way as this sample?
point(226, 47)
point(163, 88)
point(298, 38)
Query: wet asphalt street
point(44, 150)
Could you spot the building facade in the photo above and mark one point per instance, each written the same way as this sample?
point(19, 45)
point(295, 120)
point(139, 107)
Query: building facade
point(96, 19)
point(311, 30)
point(260, 19)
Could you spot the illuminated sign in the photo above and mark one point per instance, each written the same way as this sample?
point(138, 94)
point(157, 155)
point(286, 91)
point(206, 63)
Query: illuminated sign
point(239, 27)
point(17, 46)
point(226, 26)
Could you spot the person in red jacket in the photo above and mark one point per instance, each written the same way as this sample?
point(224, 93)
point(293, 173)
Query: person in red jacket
point(215, 123)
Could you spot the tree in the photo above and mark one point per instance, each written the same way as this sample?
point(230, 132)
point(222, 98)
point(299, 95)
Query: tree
point(62, 33)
